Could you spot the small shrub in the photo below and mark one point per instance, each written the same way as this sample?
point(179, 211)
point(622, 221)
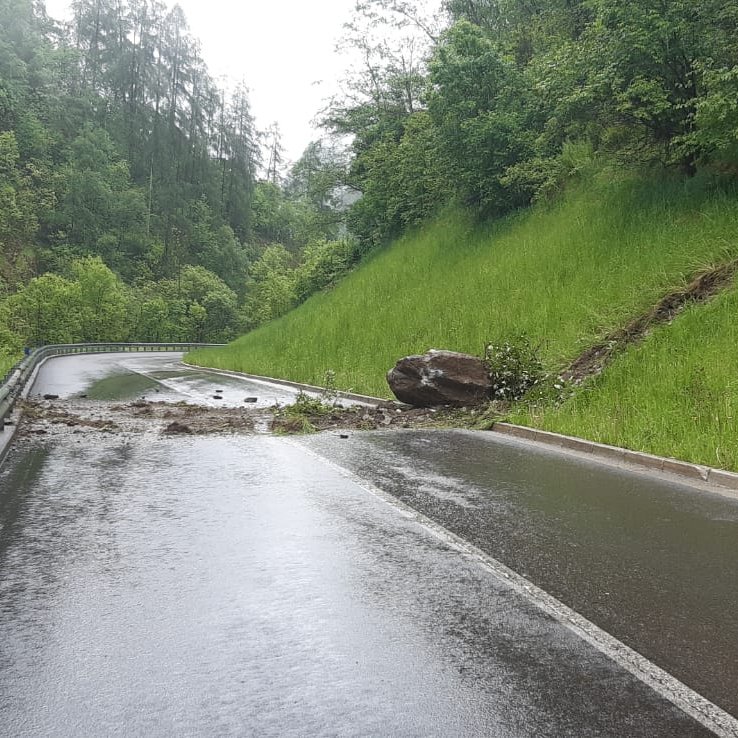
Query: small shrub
point(297, 417)
point(306, 406)
point(514, 368)
point(330, 390)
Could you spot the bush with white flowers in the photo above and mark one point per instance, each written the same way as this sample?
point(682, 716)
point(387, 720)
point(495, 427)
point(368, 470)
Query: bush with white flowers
point(514, 368)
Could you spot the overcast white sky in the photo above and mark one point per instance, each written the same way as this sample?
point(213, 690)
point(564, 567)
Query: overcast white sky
point(284, 50)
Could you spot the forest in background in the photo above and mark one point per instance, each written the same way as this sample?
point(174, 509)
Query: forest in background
point(137, 200)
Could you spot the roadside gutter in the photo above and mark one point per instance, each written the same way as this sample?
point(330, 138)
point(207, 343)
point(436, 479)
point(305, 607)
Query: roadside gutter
point(695, 473)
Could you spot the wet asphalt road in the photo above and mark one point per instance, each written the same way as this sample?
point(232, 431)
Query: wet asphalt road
point(156, 376)
point(241, 586)
point(651, 561)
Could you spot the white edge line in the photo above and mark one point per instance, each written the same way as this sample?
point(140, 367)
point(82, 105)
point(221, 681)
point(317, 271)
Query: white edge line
point(171, 388)
point(692, 703)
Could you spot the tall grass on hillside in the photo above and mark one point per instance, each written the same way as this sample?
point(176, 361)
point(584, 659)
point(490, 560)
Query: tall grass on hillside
point(676, 394)
point(563, 274)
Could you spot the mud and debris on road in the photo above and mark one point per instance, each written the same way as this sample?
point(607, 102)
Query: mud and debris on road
point(305, 415)
point(81, 415)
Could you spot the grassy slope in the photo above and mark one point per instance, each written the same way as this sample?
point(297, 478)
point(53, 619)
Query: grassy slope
point(676, 394)
point(564, 275)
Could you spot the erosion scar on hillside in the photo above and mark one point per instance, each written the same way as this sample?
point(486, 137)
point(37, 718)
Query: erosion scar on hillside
point(700, 289)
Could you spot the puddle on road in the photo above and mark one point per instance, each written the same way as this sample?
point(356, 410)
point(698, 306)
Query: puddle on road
point(121, 387)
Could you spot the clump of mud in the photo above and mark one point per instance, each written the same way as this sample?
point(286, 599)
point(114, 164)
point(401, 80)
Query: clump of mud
point(177, 428)
point(135, 417)
point(41, 417)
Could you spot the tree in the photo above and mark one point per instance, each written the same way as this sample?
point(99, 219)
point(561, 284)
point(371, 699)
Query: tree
point(275, 151)
point(10, 342)
point(716, 116)
point(149, 317)
point(100, 212)
point(239, 159)
point(271, 290)
point(198, 285)
point(478, 104)
point(318, 179)
point(323, 264)
point(18, 220)
point(649, 62)
point(276, 218)
point(46, 310)
point(103, 307)
point(194, 291)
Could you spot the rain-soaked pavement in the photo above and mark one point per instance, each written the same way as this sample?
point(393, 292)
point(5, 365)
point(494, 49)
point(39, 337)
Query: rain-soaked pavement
point(158, 376)
point(246, 585)
point(652, 561)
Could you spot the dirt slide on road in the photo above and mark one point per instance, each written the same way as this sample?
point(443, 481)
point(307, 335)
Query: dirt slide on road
point(53, 417)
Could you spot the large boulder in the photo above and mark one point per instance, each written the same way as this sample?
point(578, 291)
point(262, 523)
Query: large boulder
point(440, 378)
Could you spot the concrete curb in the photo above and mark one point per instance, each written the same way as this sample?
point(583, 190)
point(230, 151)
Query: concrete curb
point(614, 454)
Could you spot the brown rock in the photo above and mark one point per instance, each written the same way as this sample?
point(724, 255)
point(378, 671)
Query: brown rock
point(440, 378)
point(176, 427)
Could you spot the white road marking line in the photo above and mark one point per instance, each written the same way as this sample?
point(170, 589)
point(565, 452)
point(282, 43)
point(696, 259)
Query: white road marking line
point(692, 703)
point(200, 399)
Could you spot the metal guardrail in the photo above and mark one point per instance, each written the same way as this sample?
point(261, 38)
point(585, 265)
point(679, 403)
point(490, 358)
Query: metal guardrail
point(15, 380)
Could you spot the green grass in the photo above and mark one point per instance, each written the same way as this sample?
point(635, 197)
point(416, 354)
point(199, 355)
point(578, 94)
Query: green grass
point(676, 394)
point(562, 274)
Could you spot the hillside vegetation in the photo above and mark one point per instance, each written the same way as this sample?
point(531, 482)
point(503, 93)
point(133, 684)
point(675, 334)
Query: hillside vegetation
point(508, 104)
point(676, 394)
point(464, 168)
point(135, 203)
point(564, 275)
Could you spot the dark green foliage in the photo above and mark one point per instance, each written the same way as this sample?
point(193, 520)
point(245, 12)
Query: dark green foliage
point(512, 88)
point(129, 177)
point(119, 152)
point(405, 181)
point(478, 104)
point(323, 264)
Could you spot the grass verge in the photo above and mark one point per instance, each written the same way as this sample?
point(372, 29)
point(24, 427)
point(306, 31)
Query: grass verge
point(675, 394)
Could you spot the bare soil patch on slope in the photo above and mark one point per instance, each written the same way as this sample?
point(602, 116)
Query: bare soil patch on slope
point(702, 287)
